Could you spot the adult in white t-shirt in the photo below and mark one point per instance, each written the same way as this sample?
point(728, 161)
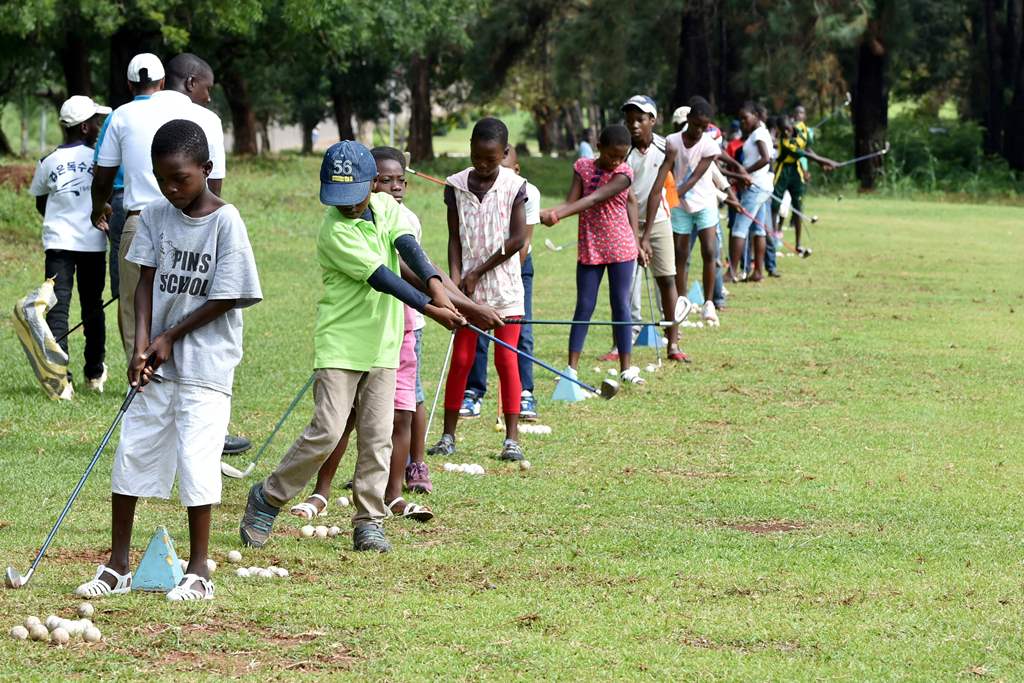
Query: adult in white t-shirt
point(756, 213)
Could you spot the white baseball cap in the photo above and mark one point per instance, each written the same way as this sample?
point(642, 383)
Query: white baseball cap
point(643, 103)
point(680, 114)
point(79, 109)
point(145, 68)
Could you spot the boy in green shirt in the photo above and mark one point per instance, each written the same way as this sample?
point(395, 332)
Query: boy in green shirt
point(357, 341)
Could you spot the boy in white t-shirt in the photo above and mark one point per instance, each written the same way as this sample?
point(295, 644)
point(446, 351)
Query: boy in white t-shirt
point(197, 273)
point(62, 186)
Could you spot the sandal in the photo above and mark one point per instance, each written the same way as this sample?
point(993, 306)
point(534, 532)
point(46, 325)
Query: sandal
point(97, 588)
point(307, 510)
point(632, 376)
point(676, 354)
point(413, 511)
point(185, 591)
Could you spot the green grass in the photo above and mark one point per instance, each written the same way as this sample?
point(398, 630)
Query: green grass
point(870, 401)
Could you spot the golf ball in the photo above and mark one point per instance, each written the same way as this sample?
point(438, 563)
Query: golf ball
point(183, 564)
point(524, 464)
point(450, 467)
point(31, 621)
point(52, 622)
point(234, 557)
point(700, 324)
point(333, 531)
point(266, 574)
point(321, 532)
point(242, 572)
point(597, 370)
point(92, 635)
point(211, 565)
point(59, 636)
point(613, 372)
point(282, 572)
point(37, 632)
point(651, 367)
point(307, 531)
point(19, 632)
point(86, 610)
point(343, 501)
point(477, 469)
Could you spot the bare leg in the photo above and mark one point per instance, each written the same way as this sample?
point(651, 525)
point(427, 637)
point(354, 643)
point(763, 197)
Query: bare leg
point(736, 246)
point(512, 426)
point(682, 243)
point(574, 360)
point(451, 420)
point(760, 245)
point(401, 436)
point(417, 449)
point(198, 540)
point(122, 519)
point(798, 226)
point(708, 242)
point(669, 294)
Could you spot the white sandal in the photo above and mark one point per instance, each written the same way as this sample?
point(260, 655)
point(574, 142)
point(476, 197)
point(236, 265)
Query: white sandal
point(414, 511)
point(97, 588)
point(632, 376)
point(308, 510)
point(185, 592)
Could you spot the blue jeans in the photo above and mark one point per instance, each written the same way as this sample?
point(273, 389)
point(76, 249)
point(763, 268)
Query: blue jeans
point(116, 224)
point(477, 382)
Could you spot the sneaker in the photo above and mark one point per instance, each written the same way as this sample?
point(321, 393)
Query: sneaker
point(528, 407)
point(235, 445)
point(470, 406)
point(258, 519)
point(96, 383)
point(632, 376)
point(445, 446)
point(417, 477)
point(370, 537)
point(709, 315)
point(511, 451)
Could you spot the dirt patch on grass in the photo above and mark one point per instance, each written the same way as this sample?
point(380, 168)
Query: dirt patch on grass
point(705, 643)
point(674, 473)
point(86, 556)
point(770, 526)
point(16, 176)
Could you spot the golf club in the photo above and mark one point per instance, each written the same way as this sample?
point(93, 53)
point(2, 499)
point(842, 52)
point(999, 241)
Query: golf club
point(425, 176)
point(682, 309)
point(557, 247)
point(440, 381)
point(608, 387)
point(235, 473)
point(13, 578)
point(765, 227)
point(650, 301)
point(810, 219)
point(64, 336)
point(879, 153)
point(844, 105)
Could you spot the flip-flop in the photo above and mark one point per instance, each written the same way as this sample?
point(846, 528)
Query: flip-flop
point(413, 511)
point(308, 510)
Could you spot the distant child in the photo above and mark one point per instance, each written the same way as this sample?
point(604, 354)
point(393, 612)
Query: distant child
point(601, 195)
point(62, 185)
point(757, 154)
point(197, 273)
point(476, 386)
point(486, 231)
point(790, 174)
point(358, 342)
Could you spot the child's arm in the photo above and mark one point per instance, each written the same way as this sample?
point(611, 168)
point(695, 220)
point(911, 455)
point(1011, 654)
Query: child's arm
point(763, 160)
point(138, 372)
point(102, 189)
point(633, 213)
point(548, 216)
point(41, 204)
point(613, 187)
point(510, 247)
point(412, 255)
point(654, 199)
point(702, 167)
point(481, 315)
point(740, 173)
point(454, 246)
point(826, 163)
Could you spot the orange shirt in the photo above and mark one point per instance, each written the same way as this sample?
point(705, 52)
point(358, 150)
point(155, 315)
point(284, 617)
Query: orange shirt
point(670, 191)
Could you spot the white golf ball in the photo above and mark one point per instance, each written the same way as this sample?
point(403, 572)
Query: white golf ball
point(31, 621)
point(86, 610)
point(282, 572)
point(700, 324)
point(211, 565)
point(92, 635)
point(38, 632)
point(524, 464)
point(333, 531)
point(183, 564)
point(320, 531)
point(477, 469)
point(343, 501)
point(465, 468)
point(450, 467)
point(597, 370)
point(613, 372)
point(234, 557)
point(651, 367)
point(307, 531)
point(242, 572)
point(19, 632)
point(59, 636)
point(266, 574)
point(253, 571)
point(52, 622)
point(86, 623)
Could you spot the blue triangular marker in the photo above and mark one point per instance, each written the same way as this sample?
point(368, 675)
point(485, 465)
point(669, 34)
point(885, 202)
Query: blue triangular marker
point(568, 391)
point(158, 569)
point(696, 295)
point(649, 336)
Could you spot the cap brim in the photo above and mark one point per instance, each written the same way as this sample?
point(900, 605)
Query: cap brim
point(347, 194)
point(102, 110)
point(645, 108)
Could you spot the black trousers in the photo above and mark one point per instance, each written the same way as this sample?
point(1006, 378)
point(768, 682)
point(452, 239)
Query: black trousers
point(90, 268)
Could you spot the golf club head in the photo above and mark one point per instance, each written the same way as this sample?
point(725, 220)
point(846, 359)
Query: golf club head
point(13, 579)
point(609, 388)
point(235, 473)
point(551, 245)
point(683, 308)
point(848, 99)
point(814, 219)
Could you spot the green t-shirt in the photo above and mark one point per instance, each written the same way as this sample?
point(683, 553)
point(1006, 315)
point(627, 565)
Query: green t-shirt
point(357, 327)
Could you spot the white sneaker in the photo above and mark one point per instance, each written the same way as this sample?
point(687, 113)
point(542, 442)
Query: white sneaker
point(709, 314)
point(632, 376)
point(96, 383)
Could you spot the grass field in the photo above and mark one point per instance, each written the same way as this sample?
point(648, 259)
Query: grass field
point(831, 491)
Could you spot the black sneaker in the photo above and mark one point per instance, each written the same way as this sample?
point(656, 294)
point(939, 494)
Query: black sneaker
point(258, 519)
point(236, 445)
point(444, 446)
point(511, 451)
point(370, 537)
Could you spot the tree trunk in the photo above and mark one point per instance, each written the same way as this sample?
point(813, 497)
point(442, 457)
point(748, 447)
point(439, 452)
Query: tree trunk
point(693, 70)
point(994, 77)
point(421, 142)
point(243, 118)
point(126, 42)
point(307, 136)
point(73, 54)
point(264, 124)
point(1013, 141)
point(870, 104)
point(342, 109)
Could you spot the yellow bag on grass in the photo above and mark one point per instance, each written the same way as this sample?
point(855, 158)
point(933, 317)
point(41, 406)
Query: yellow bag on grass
point(48, 360)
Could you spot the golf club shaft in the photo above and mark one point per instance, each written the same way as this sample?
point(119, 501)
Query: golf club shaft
point(440, 381)
point(532, 359)
point(85, 320)
point(650, 301)
point(881, 152)
point(592, 323)
point(765, 227)
point(832, 113)
point(81, 482)
point(778, 200)
point(426, 177)
point(291, 407)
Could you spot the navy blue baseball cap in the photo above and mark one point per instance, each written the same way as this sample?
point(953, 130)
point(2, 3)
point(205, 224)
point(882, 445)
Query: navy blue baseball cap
point(347, 171)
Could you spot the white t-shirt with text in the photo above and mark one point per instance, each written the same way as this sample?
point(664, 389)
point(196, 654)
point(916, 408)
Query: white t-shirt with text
point(66, 177)
point(129, 139)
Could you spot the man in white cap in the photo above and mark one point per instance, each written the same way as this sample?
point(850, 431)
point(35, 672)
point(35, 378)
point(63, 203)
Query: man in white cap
point(61, 186)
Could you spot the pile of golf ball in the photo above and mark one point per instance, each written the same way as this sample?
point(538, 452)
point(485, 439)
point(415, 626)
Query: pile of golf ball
point(57, 630)
point(261, 572)
point(465, 468)
point(309, 531)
